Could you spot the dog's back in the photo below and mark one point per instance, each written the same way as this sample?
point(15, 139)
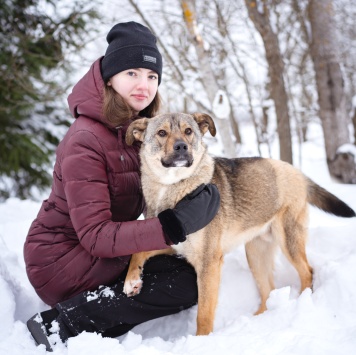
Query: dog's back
point(256, 191)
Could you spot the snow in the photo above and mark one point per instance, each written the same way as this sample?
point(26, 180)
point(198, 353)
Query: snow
point(221, 105)
point(319, 322)
point(348, 149)
point(104, 292)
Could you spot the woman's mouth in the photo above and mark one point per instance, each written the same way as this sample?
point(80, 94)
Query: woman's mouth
point(140, 97)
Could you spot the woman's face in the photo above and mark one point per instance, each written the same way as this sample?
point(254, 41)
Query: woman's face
point(138, 87)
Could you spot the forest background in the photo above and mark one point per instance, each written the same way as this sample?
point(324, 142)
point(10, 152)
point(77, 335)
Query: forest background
point(277, 76)
point(265, 70)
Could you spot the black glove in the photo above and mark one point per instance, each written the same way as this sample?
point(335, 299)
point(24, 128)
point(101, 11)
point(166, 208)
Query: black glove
point(192, 213)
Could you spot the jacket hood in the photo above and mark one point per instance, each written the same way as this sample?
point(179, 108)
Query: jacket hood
point(86, 97)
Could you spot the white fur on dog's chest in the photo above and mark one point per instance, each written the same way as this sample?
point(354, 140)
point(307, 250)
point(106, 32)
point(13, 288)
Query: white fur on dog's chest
point(189, 248)
point(161, 196)
point(171, 176)
point(160, 200)
point(181, 248)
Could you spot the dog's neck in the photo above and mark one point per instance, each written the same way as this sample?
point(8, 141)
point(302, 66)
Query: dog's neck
point(164, 187)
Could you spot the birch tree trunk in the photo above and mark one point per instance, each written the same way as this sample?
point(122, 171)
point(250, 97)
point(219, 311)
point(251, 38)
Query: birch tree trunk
point(354, 123)
point(208, 77)
point(330, 86)
point(178, 75)
point(276, 70)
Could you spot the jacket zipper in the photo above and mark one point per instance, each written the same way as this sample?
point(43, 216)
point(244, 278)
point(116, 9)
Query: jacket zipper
point(122, 158)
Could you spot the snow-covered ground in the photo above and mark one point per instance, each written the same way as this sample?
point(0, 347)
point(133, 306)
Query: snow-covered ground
point(319, 322)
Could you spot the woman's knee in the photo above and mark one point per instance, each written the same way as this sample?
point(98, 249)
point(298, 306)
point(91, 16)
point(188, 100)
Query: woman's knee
point(173, 280)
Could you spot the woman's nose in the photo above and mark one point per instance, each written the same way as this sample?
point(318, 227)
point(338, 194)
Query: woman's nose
point(143, 83)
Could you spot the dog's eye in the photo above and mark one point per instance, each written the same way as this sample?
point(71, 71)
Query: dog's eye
point(188, 131)
point(162, 133)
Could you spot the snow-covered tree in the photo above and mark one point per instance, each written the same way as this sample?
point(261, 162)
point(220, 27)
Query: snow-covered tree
point(36, 37)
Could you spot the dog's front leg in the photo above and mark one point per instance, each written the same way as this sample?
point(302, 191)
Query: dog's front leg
point(133, 280)
point(208, 274)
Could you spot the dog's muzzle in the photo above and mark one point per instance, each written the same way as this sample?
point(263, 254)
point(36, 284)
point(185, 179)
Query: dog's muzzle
point(180, 157)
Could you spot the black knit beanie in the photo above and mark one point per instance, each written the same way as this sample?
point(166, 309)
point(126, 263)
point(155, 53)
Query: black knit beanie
point(131, 45)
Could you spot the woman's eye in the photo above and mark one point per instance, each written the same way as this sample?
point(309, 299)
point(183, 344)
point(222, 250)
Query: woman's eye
point(162, 133)
point(188, 131)
point(131, 73)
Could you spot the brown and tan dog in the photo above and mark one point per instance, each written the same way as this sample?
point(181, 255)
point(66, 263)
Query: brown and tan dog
point(264, 204)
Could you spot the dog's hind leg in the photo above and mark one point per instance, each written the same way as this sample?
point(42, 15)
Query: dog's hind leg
point(294, 237)
point(260, 253)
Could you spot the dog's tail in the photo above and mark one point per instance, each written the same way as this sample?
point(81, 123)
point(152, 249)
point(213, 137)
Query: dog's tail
point(326, 201)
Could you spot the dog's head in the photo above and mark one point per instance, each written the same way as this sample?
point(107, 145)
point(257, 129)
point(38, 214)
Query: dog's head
point(171, 140)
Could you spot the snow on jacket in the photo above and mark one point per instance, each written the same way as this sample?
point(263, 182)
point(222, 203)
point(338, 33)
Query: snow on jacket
point(86, 230)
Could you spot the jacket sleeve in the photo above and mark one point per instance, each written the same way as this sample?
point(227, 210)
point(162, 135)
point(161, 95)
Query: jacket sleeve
point(85, 182)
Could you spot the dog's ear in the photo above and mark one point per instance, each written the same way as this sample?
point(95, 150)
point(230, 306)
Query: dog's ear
point(205, 122)
point(136, 131)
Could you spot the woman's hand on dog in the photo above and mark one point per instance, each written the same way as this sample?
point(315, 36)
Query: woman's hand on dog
point(192, 213)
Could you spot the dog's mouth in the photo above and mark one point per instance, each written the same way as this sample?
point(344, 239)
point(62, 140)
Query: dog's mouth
point(178, 161)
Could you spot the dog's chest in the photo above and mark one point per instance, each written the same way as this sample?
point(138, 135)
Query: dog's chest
point(159, 199)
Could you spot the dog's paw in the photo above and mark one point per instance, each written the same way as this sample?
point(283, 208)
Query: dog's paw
point(132, 287)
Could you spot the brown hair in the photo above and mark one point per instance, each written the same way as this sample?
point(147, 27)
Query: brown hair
point(117, 111)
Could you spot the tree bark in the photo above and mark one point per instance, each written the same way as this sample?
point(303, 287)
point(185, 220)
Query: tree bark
point(208, 77)
point(330, 86)
point(276, 70)
point(178, 75)
point(354, 124)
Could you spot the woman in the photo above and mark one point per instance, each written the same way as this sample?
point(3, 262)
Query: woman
point(79, 246)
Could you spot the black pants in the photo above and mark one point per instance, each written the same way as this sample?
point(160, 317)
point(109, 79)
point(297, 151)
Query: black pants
point(169, 286)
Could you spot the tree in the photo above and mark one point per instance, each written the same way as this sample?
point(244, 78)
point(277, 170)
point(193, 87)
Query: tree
point(274, 58)
point(330, 88)
point(208, 77)
point(268, 73)
point(33, 50)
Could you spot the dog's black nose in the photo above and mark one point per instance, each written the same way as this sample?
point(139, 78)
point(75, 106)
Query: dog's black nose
point(180, 146)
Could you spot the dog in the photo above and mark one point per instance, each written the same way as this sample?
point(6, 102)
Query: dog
point(264, 204)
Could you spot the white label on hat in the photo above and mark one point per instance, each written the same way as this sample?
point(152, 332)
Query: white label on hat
point(148, 58)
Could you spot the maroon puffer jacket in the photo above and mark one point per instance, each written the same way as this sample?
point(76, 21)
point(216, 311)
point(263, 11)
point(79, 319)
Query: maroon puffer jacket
point(86, 230)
